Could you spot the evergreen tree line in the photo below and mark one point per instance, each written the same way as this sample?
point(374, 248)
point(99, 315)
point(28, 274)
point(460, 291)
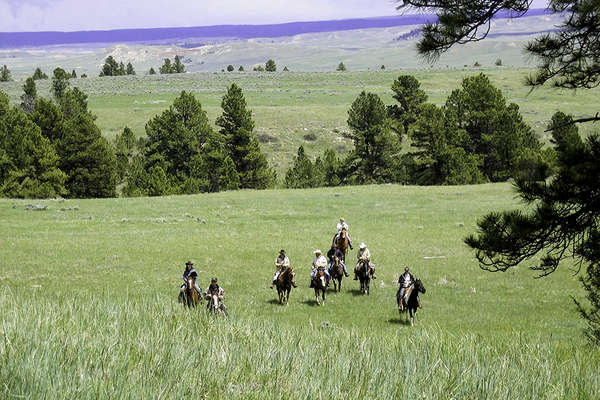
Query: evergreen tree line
point(475, 137)
point(52, 147)
point(182, 154)
point(113, 68)
point(168, 67)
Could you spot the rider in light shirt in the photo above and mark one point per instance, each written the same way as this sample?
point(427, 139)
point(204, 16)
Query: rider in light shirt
point(319, 262)
point(342, 225)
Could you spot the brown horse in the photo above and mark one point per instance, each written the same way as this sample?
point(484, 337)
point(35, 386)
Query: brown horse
point(190, 295)
point(319, 283)
point(284, 284)
point(341, 242)
point(337, 273)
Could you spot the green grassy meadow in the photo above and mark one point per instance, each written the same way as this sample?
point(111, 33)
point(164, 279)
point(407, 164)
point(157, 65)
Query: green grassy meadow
point(88, 301)
point(289, 106)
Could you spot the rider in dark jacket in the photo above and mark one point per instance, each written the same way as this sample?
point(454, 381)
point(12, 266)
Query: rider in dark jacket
point(334, 252)
point(405, 280)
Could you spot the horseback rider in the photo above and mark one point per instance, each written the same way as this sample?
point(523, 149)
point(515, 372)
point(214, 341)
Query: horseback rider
point(364, 255)
point(333, 252)
point(405, 280)
point(319, 262)
point(342, 225)
point(282, 262)
point(190, 271)
point(215, 289)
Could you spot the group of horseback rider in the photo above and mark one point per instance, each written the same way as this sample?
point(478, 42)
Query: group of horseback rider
point(335, 254)
point(211, 290)
point(282, 262)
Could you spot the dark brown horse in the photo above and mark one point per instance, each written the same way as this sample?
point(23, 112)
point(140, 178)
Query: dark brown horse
point(341, 242)
point(284, 284)
point(319, 283)
point(337, 273)
point(364, 276)
point(410, 302)
point(190, 295)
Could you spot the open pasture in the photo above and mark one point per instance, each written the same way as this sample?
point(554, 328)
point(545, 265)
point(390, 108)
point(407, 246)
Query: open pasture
point(88, 301)
point(302, 108)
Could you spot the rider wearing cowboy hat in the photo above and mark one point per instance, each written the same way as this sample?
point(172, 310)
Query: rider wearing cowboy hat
point(190, 271)
point(342, 225)
point(364, 255)
point(319, 262)
point(281, 263)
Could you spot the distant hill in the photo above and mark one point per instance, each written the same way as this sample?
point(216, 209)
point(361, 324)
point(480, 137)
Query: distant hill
point(212, 34)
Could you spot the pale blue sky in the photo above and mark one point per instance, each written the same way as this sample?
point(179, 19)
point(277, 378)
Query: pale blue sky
point(70, 15)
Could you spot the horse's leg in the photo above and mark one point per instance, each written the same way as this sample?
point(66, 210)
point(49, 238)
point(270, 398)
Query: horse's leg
point(412, 317)
point(368, 287)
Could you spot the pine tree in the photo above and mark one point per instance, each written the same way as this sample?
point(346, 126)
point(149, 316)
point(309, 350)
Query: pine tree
point(237, 127)
point(60, 82)
point(29, 97)
point(241, 68)
point(130, 70)
point(229, 178)
point(341, 67)
point(230, 68)
point(178, 66)
point(409, 95)
point(302, 173)
point(38, 74)
point(152, 71)
point(167, 67)
point(73, 74)
point(5, 75)
point(124, 148)
point(177, 141)
point(496, 130)
point(563, 221)
point(49, 117)
point(87, 158)
point(28, 162)
point(270, 66)
point(376, 148)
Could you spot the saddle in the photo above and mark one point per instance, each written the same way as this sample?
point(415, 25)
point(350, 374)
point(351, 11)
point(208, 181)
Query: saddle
point(407, 293)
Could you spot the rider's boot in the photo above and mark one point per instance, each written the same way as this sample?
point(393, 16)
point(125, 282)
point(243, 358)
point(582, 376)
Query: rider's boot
point(294, 284)
point(355, 277)
point(345, 273)
point(311, 284)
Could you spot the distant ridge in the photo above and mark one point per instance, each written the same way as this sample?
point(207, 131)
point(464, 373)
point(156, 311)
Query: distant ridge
point(9, 40)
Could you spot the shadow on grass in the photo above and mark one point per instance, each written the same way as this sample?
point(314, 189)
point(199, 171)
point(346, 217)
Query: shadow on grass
point(398, 321)
point(273, 301)
point(357, 292)
point(312, 303)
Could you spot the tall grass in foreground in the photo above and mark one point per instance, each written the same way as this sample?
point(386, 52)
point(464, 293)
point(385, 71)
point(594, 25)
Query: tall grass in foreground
point(148, 347)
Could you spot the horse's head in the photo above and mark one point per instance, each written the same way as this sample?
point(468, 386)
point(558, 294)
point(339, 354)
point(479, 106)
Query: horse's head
point(189, 282)
point(419, 286)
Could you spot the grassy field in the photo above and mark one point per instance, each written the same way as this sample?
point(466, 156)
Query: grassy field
point(289, 106)
point(88, 301)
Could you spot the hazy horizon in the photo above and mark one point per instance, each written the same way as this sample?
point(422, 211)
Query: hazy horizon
point(74, 15)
